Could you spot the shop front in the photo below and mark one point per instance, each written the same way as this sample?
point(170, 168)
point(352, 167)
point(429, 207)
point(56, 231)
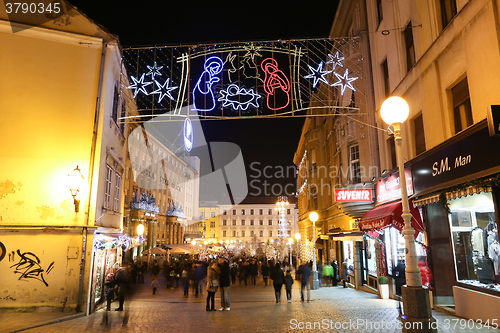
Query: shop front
point(457, 189)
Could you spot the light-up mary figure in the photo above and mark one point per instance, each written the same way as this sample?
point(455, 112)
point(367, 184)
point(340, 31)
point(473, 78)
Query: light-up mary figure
point(276, 85)
point(203, 95)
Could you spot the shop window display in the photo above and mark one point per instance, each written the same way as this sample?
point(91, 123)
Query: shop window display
point(475, 240)
point(370, 257)
point(349, 255)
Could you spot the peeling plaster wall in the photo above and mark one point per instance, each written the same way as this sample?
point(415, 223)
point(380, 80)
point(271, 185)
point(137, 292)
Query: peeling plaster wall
point(34, 258)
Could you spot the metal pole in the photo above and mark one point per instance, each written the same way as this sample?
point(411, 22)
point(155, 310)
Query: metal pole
point(413, 277)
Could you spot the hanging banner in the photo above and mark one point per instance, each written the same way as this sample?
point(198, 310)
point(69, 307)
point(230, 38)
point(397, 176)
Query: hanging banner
point(272, 78)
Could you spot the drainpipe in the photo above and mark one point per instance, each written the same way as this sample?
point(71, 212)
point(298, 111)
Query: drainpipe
point(91, 179)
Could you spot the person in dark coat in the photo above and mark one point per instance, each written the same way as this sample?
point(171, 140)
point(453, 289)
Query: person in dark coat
point(253, 271)
point(155, 269)
point(278, 279)
point(233, 274)
point(122, 281)
point(304, 272)
point(144, 269)
point(265, 272)
point(335, 276)
point(288, 286)
point(224, 282)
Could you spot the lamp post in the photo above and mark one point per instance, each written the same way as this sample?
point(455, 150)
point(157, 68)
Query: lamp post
point(75, 178)
point(297, 237)
point(313, 216)
point(290, 240)
point(394, 112)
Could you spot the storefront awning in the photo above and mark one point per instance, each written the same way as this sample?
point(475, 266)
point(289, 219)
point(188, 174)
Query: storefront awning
point(390, 214)
point(433, 198)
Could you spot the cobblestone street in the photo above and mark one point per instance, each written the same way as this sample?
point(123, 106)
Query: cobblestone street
point(253, 309)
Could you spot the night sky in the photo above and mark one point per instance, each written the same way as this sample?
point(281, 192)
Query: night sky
point(264, 142)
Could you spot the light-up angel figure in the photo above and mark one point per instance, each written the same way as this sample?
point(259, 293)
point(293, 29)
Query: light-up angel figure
point(203, 95)
point(276, 85)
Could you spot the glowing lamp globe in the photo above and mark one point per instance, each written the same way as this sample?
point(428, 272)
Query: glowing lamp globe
point(394, 110)
point(297, 236)
point(140, 229)
point(313, 216)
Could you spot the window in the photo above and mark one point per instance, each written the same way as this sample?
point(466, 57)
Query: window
point(107, 187)
point(385, 74)
point(313, 158)
point(212, 214)
point(234, 233)
point(242, 212)
point(251, 233)
point(288, 211)
point(261, 222)
point(448, 11)
point(260, 212)
point(243, 233)
point(269, 212)
point(270, 233)
point(261, 233)
point(242, 222)
point(224, 222)
point(234, 222)
point(251, 222)
point(123, 114)
point(251, 211)
point(202, 215)
point(224, 212)
point(212, 235)
point(380, 15)
point(270, 222)
point(392, 150)
point(116, 201)
point(224, 233)
point(418, 128)
point(409, 46)
point(354, 164)
point(212, 224)
point(234, 211)
point(116, 102)
point(462, 111)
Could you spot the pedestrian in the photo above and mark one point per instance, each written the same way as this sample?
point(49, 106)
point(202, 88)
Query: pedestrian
point(327, 274)
point(335, 273)
point(200, 274)
point(253, 271)
point(265, 272)
point(122, 282)
point(288, 285)
point(320, 272)
point(278, 279)
point(155, 284)
point(345, 274)
point(212, 285)
point(155, 270)
point(185, 281)
point(304, 272)
point(110, 290)
point(144, 269)
point(233, 274)
point(225, 282)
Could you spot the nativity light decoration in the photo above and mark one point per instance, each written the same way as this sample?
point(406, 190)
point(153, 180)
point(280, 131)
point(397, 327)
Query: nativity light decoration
point(139, 85)
point(317, 74)
point(238, 98)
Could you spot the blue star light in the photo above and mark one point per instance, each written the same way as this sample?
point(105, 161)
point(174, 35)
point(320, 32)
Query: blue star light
point(344, 81)
point(317, 74)
point(154, 70)
point(335, 60)
point(139, 85)
point(163, 90)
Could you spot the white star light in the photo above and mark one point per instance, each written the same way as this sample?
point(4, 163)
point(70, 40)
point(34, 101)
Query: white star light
point(335, 60)
point(163, 90)
point(344, 82)
point(154, 70)
point(139, 85)
point(317, 74)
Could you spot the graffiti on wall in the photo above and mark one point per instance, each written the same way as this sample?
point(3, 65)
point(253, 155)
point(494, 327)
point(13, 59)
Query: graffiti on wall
point(29, 267)
point(3, 251)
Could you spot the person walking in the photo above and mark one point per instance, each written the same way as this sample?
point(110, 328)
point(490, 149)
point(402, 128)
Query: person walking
point(304, 272)
point(288, 285)
point(253, 271)
point(278, 279)
point(122, 281)
point(233, 274)
point(155, 270)
point(212, 285)
point(155, 284)
point(200, 274)
point(225, 282)
point(265, 272)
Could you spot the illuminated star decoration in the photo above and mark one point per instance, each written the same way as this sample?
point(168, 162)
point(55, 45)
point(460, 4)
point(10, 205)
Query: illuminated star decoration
point(139, 85)
point(344, 81)
point(252, 51)
point(163, 90)
point(335, 60)
point(317, 74)
point(154, 70)
point(239, 98)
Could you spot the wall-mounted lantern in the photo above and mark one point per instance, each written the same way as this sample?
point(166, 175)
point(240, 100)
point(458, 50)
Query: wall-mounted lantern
point(75, 179)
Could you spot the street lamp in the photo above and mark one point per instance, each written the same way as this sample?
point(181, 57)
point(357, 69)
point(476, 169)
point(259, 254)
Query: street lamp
point(140, 230)
point(313, 216)
point(394, 112)
point(290, 241)
point(75, 179)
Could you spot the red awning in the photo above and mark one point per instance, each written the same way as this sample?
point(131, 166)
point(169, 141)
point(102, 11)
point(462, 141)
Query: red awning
point(390, 214)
